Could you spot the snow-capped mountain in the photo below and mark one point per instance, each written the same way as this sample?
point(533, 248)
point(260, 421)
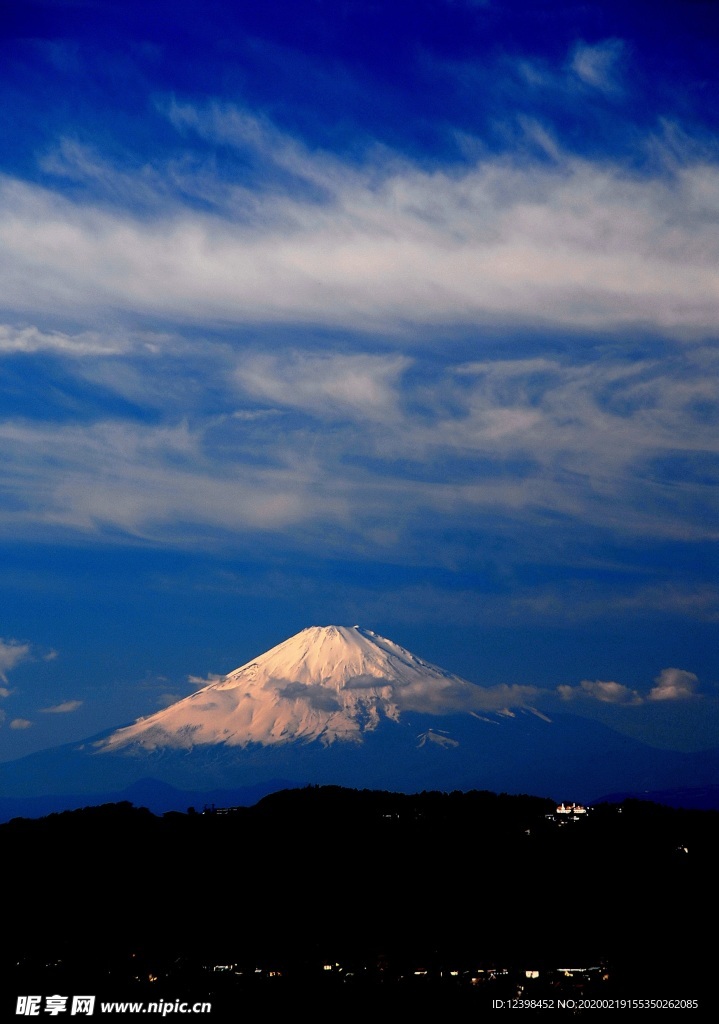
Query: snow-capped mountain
point(343, 706)
point(327, 683)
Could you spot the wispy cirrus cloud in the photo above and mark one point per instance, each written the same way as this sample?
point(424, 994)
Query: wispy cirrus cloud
point(326, 385)
point(597, 64)
point(386, 244)
point(592, 600)
point(64, 708)
point(12, 652)
point(317, 438)
point(29, 340)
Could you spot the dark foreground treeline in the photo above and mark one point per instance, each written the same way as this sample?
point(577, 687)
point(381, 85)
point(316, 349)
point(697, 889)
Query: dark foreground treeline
point(385, 882)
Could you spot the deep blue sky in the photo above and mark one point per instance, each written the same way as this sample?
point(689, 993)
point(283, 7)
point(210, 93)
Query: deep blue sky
point(398, 314)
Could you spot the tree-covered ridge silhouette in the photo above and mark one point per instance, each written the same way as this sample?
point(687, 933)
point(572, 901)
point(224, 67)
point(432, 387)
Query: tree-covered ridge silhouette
point(360, 875)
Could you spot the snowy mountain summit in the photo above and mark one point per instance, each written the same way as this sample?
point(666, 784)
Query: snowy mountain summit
point(342, 706)
point(326, 683)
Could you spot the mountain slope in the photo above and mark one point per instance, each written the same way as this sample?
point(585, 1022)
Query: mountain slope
point(327, 683)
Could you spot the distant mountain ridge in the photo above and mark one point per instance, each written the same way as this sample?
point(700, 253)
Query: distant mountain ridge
point(158, 797)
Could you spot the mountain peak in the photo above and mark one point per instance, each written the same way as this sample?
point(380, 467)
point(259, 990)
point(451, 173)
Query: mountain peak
point(325, 683)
